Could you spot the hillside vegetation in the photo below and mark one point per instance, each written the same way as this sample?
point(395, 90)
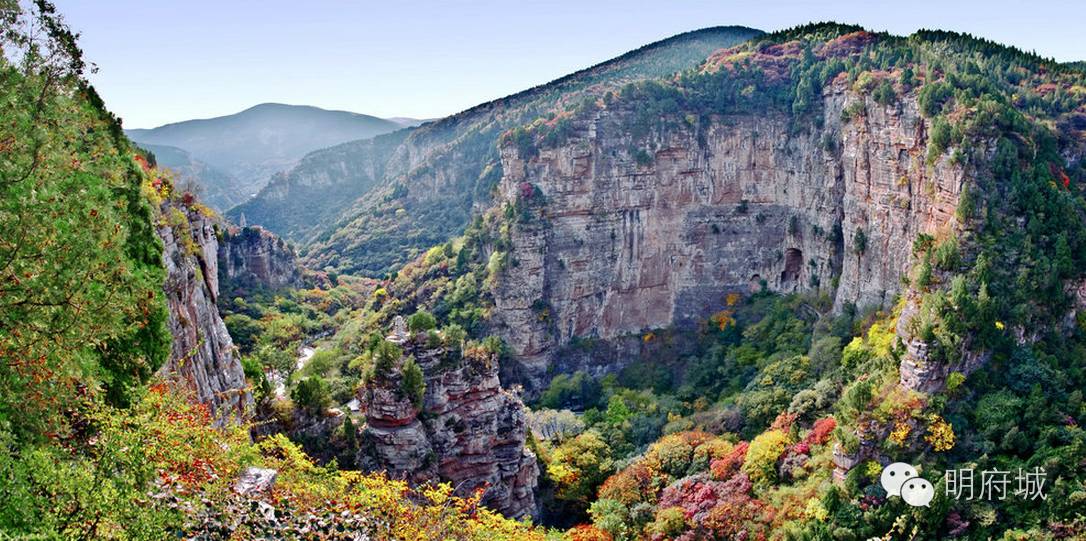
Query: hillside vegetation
point(770, 418)
point(91, 446)
point(779, 422)
point(810, 409)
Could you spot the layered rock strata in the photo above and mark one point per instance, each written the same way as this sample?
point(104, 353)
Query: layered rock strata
point(468, 432)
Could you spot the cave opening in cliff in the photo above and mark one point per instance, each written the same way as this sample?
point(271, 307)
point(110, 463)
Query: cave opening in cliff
point(793, 262)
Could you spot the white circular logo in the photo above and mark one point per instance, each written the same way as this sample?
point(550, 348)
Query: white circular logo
point(894, 475)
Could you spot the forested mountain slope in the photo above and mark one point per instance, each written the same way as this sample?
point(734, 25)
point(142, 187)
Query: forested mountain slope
point(821, 252)
point(369, 206)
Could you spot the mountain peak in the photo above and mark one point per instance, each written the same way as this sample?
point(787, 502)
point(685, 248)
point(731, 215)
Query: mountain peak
point(251, 145)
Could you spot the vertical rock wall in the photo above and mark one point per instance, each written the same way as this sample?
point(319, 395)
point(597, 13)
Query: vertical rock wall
point(619, 245)
point(253, 257)
point(203, 357)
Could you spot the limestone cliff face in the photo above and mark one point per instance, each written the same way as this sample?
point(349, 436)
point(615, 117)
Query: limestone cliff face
point(203, 356)
point(469, 432)
point(254, 257)
point(620, 242)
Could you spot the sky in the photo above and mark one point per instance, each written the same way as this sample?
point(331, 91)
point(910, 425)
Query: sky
point(165, 61)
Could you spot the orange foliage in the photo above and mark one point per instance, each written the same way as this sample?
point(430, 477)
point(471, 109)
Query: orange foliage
point(784, 421)
point(774, 60)
point(821, 431)
point(723, 319)
point(636, 483)
point(724, 468)
point(588, 532)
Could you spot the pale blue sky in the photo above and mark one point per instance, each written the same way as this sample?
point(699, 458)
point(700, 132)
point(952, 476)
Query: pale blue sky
point(164, 61)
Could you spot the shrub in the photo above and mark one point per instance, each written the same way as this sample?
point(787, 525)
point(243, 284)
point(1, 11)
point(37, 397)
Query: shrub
point(724, 468)
point(998, 413)
point(610, 517)
point(672, 454)
point(312, 394)
point(421, 321)
point(821, 431)
point(588, 532)
point(454, 335)
point(269, 356)
point(322, 363)
point(641, 157)
point(633, 484)
point(254, 373)
point(578, 390)
point(244, 330)
point(884, 94)
point(669, 523)
point(932, 97)
point(761, 460)
point(548, 424)
point(412, 382)
point(940, 434)
point(938, 140)
point(859, 242)
point(385, 356)
point(350, 434)
point(947, 256)
point(579, 465)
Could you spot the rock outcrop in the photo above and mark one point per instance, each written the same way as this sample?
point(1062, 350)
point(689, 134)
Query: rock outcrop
point(627, 234)
point(253, 257)
point(469, 432)
point(203, 357)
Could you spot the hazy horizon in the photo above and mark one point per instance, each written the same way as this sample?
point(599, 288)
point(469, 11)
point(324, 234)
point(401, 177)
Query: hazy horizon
point(165, 63)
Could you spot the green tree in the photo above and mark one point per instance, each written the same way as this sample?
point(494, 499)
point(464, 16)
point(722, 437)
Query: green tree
point(938, 140)
point(761, 460)
point(244, 330)
point(350, 434)
point(412, 382)
point(859, 242)
point(254, 373)
point(421, 321)
point(385, 356)
point(81, 304)
point(312, 394)
point(579, 465)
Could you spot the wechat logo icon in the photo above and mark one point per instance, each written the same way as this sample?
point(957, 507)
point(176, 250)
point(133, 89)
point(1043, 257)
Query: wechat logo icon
point(901, 479)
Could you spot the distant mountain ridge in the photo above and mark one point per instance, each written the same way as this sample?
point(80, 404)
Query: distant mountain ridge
point(252, 145)
point(409, 122)
point(368, 206)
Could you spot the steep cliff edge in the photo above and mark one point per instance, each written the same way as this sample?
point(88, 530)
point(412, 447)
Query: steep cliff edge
point(466, 430)
point(203, 356)
point(621, 234)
